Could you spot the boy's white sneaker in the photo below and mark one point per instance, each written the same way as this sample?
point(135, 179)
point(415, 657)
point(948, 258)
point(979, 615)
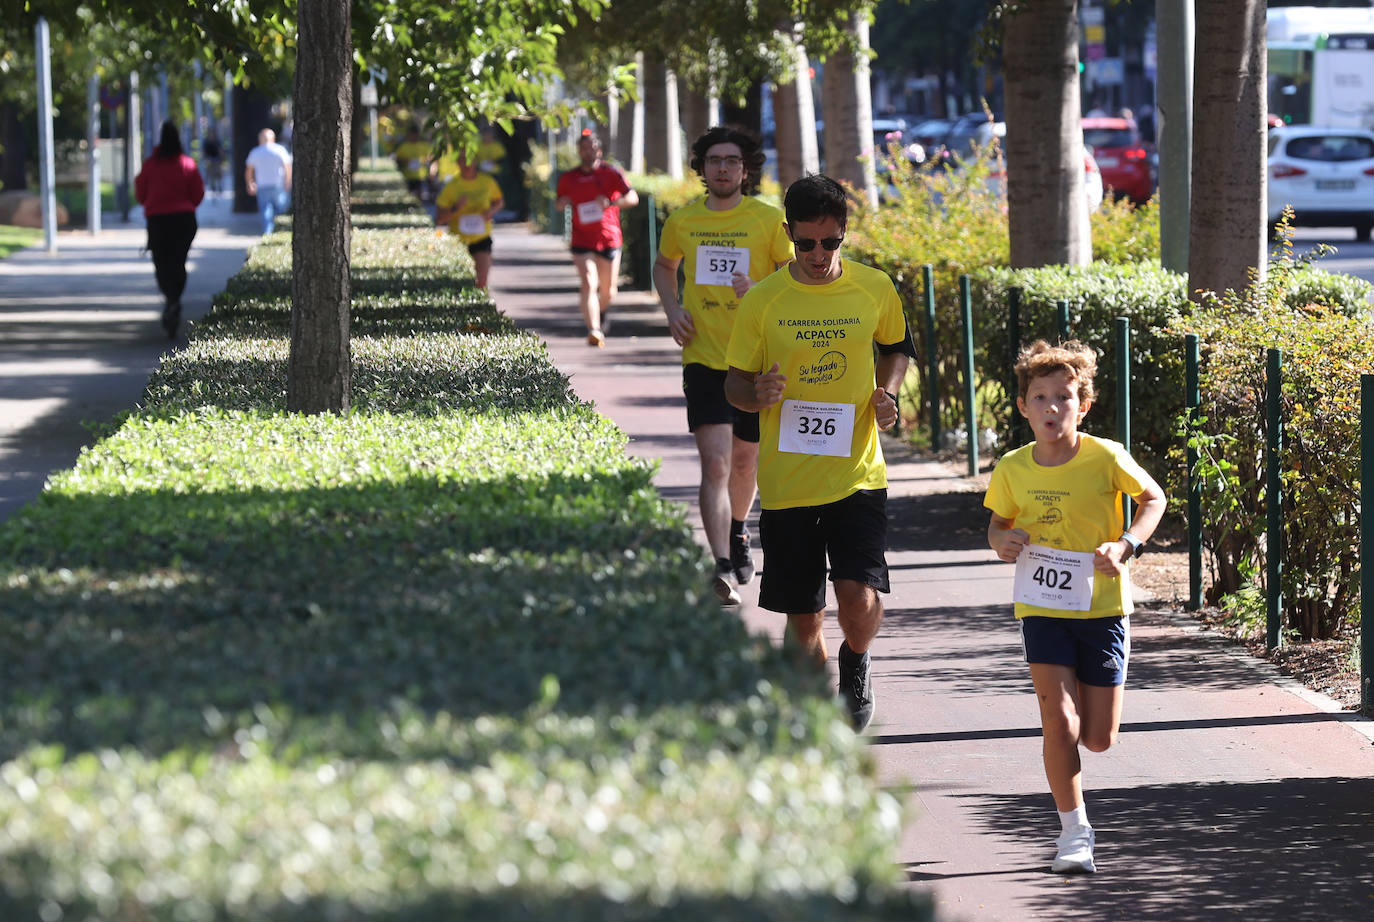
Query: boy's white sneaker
point(1075, 851)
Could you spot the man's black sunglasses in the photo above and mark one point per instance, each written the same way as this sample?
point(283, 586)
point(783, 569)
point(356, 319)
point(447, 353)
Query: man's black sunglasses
point(807, 244)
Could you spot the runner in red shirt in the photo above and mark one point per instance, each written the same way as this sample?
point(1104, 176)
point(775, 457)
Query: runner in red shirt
point(595, 191)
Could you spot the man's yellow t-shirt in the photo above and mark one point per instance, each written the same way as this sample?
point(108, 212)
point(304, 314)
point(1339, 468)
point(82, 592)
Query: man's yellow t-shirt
point(413, 159)
point(748, 238)
point(481, 191)
point(1074, 506)
point(822, 338)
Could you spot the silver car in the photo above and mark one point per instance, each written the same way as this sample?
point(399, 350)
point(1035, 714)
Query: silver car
point(1325, 174)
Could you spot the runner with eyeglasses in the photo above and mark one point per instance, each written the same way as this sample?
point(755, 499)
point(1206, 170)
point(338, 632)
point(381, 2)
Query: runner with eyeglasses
point(802, 355)
point(723, 242)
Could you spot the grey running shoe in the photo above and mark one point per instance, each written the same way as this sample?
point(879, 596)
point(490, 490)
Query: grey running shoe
point(1075, 851)
point(740, 559)
point(856, 685)
point(722, 586)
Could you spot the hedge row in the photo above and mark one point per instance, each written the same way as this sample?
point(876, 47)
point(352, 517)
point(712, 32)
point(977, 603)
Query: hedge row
point(446, 656)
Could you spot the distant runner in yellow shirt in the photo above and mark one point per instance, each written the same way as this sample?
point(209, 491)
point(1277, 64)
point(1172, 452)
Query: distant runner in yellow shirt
point(412, 159)
point(466, 205)
point(724, 242)
point(802, 354)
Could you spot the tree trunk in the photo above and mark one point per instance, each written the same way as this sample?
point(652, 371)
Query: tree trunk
point(320, 372)
point(794, 114)
point(1226, 235)
point(746, 113)
point(848, 109)
point(1047, 209)
point(696, 114)
point(251, 110)
point(662, 125)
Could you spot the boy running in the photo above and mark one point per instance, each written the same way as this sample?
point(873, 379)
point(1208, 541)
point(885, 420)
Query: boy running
point(1057, 513)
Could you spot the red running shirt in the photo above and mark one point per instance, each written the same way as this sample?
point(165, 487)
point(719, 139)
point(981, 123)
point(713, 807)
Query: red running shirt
point(583, 186)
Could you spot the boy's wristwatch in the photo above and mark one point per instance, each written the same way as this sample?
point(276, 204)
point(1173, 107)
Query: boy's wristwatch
point(1137, 546)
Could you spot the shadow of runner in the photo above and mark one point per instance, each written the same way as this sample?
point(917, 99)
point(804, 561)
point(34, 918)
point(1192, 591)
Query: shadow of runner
point(1176, 852)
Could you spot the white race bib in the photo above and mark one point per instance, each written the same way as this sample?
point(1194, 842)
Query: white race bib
point(472, 224)
point(590, 212)
point(1050, 578)
point(717, 265)
point(813, 428)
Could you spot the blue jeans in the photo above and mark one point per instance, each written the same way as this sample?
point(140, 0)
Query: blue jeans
point(272, 201)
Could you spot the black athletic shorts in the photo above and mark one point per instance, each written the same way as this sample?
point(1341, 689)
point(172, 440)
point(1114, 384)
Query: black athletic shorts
point(704, 388)
point(480, 246)
point(851, 532)
point(607, 254)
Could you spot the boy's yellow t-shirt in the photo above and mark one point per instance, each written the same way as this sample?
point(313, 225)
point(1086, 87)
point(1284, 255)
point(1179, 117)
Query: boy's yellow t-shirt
point(1074, 506)
point(481, 191)
point(822, 338)
point(694, 233)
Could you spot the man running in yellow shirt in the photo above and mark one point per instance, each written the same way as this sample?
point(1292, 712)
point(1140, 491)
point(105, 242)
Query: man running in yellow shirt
point(802, 354)
point(466, 204)
point(724, 242)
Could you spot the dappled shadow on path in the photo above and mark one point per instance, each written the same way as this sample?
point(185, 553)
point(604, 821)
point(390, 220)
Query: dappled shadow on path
point(1293, 848)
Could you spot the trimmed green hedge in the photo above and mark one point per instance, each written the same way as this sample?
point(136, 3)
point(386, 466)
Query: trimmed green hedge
point(448, 655)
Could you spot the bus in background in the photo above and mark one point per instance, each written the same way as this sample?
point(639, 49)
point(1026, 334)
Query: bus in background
point(1321, 65)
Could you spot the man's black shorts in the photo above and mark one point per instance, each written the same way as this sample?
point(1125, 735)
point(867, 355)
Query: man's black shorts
point(480, 246)
point(851, 532)
point(704, 388)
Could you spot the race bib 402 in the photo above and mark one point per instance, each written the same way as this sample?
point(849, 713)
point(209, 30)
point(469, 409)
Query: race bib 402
point(1050, 578)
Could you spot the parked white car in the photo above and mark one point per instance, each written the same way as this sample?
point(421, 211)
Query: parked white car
point(1326, 174)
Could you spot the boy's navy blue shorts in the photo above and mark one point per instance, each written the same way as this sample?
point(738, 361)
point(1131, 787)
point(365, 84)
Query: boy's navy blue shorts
point(704, 388)
point(796, 542)
point(1097, 649)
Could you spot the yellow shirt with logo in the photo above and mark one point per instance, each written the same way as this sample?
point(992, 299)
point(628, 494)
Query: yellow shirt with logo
point(413, 159)
point(751, 225)
point(822, 338)
point(481, 191)
point(1074, 506)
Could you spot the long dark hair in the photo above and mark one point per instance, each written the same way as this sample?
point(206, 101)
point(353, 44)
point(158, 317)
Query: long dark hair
point(169, 145)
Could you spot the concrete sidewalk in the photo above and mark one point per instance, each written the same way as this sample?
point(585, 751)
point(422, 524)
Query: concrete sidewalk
point(80, 332)
point(1233, 794)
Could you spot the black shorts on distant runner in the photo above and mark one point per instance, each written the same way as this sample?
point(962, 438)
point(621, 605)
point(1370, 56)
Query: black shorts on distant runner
point(608, 254)
point(480, 246)
point(704, 388)
point(851, 532)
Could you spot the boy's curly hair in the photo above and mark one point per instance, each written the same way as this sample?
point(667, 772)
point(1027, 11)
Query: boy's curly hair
point(1041, 358)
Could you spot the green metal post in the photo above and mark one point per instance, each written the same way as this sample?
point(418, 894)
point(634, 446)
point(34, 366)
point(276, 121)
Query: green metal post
point(1123, 401)
point(1013, 349)
point(971, 422)
point(1193, 400)
point(653, 237)
point(1273, 524)
point(932, 357)
point(1063, 308)
point(1367, 543)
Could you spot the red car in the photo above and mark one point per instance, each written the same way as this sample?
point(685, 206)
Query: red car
point(1122, 156)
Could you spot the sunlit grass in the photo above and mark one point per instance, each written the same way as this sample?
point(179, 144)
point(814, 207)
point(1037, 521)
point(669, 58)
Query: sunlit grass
point(16, 238)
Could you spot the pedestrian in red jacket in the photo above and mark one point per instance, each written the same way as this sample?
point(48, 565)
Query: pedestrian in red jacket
point(169, 188)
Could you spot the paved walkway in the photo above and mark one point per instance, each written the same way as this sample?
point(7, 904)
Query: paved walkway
point(80, 332)
point(1232, 794)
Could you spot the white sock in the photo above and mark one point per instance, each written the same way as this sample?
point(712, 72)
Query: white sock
point(1078, 816)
